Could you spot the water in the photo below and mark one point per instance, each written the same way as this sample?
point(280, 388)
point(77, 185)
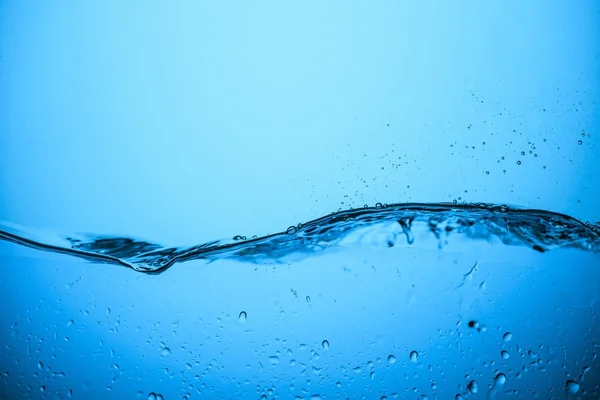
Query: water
point(299, 200)
point(407, 317)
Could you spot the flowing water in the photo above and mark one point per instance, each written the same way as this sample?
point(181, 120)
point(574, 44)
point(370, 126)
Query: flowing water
point(424, 301)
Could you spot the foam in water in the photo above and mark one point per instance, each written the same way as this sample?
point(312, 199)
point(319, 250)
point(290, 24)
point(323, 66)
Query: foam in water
point(538, 229)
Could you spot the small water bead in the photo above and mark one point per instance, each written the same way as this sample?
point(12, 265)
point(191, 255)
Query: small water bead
point(518, 162)
point(414, 356)
point(325, 344)
point(308, 299)
point(499, 380)
point(572, 387)
point(391, 359)
point(504, 354)
point(243, 316)
point(152, 396)
point(291, 230)
point(473, 386)
point(507, 337)
point(274, 360)
point(165, 351)
point(580, 142)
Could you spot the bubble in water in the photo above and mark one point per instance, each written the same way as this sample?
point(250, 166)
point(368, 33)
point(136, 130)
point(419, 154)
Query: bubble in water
point(243, 316)
point(473, 387)
point(572, 387)
point(504, 354)
point(414, 356)
point(165, 351)
point(391, 359)
point(579, 142)
point(518, 162)
point(507, 337)
point(152, 396)
point(325, 344)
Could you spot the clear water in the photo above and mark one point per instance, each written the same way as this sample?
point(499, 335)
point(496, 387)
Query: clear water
point(183, 189)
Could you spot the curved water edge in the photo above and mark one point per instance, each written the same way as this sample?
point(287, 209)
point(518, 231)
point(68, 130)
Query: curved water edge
point(538, 229)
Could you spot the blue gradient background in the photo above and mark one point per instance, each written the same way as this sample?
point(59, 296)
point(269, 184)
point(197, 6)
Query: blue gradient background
point(183, 122)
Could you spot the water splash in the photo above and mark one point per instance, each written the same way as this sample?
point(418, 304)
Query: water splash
point(538, 229)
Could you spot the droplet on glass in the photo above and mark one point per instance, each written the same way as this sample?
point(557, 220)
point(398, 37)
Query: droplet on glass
point(243, 316)
point(165, 351)
point(414, 356)
point(507, 337)
point(572, 387)
point(391, 359)
point(325, 344)
point(473, 387)
point(504, 354)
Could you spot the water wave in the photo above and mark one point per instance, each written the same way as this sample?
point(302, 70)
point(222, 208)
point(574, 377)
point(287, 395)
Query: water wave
point(392, 225)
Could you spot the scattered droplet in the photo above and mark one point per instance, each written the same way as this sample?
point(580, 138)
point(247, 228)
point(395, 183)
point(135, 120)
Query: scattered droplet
point(473, 387)
point(291, 230)
point(572, 387)
point(165, 351)
point(152, 396)
point(414, 356)
point(391, 359)
point(507, 337)
point(243, 316)
point(504, 354)
point(308, 299)
point(499, 380)
point(274, 360)
point(325, 344)
point(40, 365)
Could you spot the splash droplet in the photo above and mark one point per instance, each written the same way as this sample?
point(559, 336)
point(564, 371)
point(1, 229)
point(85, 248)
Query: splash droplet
point(414, 356)
point(243, 316)
point(473, 387)
point(572, 387)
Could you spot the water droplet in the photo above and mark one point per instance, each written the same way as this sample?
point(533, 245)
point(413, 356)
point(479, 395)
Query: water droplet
point(243, 316)
point(473, 387)
point(414, 356)
point(152, 396)
point(383, 398)
point(518, 162)
point(459, 397)
point(507, 337)
point(487, 172)
point(274, 360)
point(378, 205)
point(504, 354)
point(291, 230)
point(325, 344)
point(165, 351)
point(499, 380)
point(372, 375)
point(308, 299)
point(572, 387)
point(579, 142)
point(40, 365)
point(391, 359)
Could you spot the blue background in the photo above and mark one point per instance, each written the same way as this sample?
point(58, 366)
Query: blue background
point(183, 122)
